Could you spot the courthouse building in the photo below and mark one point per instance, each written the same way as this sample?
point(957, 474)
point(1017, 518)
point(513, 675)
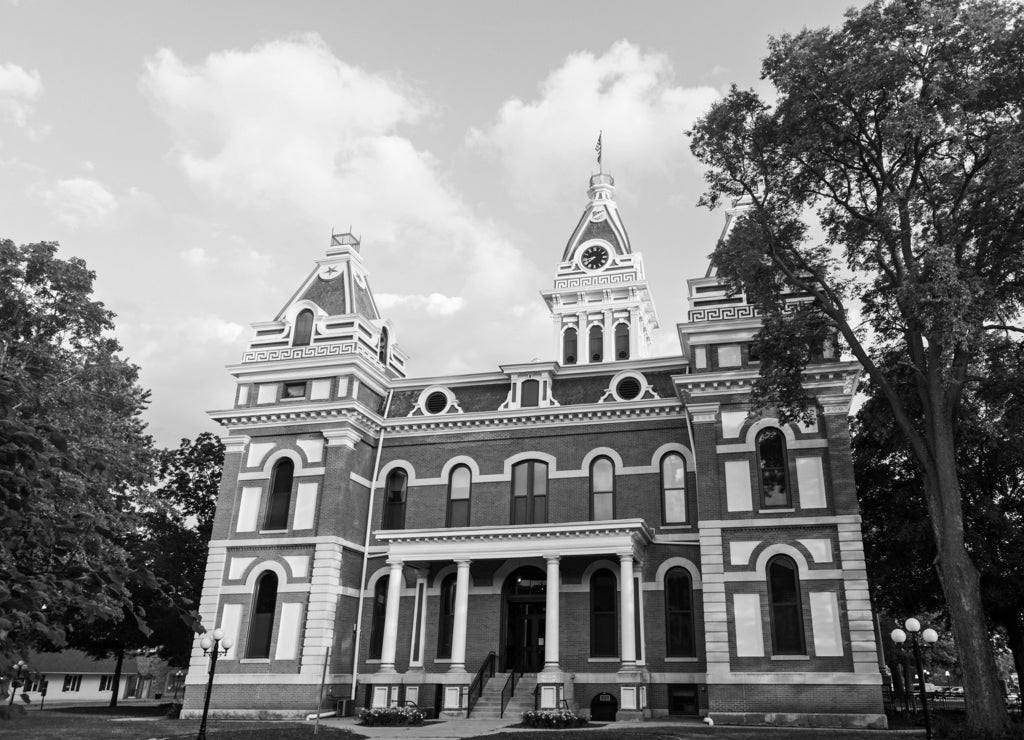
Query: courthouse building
point(608, 531)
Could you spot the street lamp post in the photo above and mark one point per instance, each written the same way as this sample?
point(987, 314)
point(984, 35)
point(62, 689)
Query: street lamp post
point(16, 678)
point(929, 637)
point(178, 677)
point(215, 647)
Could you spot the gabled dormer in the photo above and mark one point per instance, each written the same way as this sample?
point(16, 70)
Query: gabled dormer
point(332, 313)
point(327, 344)
point(721, 324)
point(601, 303)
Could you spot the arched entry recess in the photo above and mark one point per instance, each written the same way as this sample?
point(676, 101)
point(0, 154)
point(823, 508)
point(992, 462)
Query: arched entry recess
point(523, 605)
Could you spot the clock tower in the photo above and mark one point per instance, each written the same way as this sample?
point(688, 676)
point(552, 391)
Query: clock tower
point(601, 303)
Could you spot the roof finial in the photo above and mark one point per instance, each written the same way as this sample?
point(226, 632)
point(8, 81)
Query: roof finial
point(598, 150)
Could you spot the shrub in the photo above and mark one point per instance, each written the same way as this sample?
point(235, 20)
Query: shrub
point(390, 716)
point(553, 719)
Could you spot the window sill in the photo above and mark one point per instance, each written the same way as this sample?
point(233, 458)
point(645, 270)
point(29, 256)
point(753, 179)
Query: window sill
point(604, 660)
point(776, 511)
point(373, 661)
point(682, 660)
point(442, 660)
point(677, 525)
point(791, 657)
point(293, 398)
point(249, 661)
point(273, 531)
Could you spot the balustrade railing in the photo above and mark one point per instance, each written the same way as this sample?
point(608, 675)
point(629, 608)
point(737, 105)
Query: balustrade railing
point(509, 689)
point(476, 688)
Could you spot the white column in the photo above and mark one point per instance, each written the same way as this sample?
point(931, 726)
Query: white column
point(551, 616)
point(634, 335)
point(628, 630)
point(609, 337)
point(387, 650)
point(583, 340)
point(461, 617)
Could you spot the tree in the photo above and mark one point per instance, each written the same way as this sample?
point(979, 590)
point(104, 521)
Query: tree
point(179, 533)
point(990, 460)
point(169, 548)
point(900, 136)
point(73, 451)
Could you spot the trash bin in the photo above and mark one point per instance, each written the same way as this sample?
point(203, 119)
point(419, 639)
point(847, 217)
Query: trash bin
point(344, 707)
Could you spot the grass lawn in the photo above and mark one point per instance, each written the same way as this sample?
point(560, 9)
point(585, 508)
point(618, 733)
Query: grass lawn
point(136, 722)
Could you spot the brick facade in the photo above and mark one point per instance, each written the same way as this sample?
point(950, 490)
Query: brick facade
point(371, 454)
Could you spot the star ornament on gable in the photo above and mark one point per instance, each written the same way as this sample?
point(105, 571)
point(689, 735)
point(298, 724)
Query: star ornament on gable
point(329, 272)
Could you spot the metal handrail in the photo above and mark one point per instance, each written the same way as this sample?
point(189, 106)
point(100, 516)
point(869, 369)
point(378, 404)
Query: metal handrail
point(509, 690)
point(476, 688)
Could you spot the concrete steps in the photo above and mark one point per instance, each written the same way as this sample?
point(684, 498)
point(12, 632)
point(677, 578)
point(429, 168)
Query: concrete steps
point(488, 706)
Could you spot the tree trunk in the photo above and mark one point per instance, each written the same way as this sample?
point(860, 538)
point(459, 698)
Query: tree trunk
point(117, 678)
point(986, 710)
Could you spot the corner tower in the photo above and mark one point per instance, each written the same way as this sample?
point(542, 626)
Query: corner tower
point(601, 303)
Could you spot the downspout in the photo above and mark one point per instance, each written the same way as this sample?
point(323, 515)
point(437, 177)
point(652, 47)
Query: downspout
point(366, 550)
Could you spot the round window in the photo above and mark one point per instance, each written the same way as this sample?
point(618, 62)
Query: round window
point(436, 402)
point(628, 388)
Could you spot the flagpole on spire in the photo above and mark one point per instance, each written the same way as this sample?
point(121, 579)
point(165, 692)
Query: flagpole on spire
point(598, 150)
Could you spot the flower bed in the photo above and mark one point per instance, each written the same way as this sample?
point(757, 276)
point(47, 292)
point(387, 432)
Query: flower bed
point(390, 716)
point(553, 719)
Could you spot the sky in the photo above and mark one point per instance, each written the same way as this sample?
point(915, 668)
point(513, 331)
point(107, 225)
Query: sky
point(198, 156)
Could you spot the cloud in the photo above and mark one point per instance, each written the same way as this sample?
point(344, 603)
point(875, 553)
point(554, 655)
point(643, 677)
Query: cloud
point(19, 91)
point(288, 125)
point(626, 93)
point(196, 257)
point(78, 201)
point(434, 304)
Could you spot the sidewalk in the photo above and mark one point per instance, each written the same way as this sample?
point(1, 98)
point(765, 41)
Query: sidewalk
point(459, 728)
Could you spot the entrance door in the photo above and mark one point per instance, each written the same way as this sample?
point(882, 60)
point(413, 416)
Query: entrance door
point(524, 645)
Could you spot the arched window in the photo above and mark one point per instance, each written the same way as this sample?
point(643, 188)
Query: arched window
point(784, 605)
point(569, 346)
point(303, 329)
point(380, 607)
point(673, 488)
point(680, 640)
point(280, 495)
point(604, 621)
point(531, 393)
point(602, 489)
point(596, 343)
point(394, 501)
point(622, 342)
point(446, 614)
point(261, 623)
point(459, 485)
point(772, 461)
point(382, 347)
point(530, 492)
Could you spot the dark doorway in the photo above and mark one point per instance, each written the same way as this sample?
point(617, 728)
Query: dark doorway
point(524, 594)
point(682, 699)
point(603, 707)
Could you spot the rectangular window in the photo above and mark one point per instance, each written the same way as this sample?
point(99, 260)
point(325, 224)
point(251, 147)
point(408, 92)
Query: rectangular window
point(106, 683)
point(294, 390)
point(72, 682)
point(529, 492)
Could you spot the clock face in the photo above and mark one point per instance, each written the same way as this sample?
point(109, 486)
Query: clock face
point(594, 257)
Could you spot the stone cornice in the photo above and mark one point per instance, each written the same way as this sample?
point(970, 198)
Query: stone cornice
point(334, 414)
point(559, 415)
point(841, 376)
point(526, 540)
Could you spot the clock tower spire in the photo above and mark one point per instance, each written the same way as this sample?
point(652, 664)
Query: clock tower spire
point(601, 304)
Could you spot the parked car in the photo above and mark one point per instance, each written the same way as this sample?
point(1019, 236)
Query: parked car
point(955, 691)
point(930, 688)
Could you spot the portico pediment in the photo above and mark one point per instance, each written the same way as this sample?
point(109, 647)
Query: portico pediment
point(518, 541)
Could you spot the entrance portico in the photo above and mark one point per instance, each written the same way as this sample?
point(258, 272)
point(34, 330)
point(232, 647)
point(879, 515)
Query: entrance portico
point(531, 615)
